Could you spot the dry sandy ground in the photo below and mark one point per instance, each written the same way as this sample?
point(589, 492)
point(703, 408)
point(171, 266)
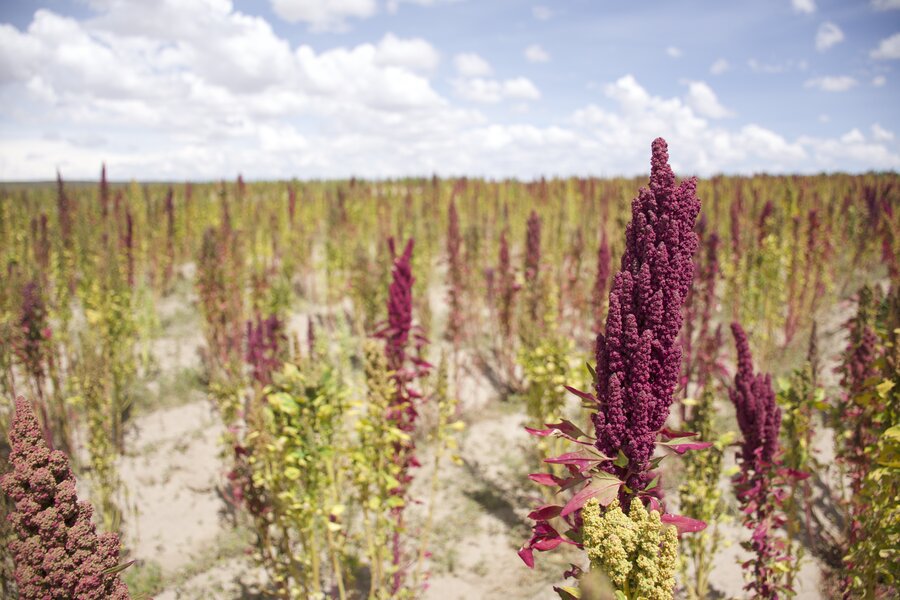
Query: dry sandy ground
point(182, 524)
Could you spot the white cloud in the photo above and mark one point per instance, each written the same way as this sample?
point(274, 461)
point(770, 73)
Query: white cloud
point(414, 53)
point(491, 91)
point(854, 136)
point(541, 13)
point(469, 64)
point(831, 83)
point(880, 134)
point(823, 118)
point(828, 35)
point(674, 51)
point(779, 67)
point(394, 5)
point(534, 53)
point(720, 66)
point(703, 100)
point(886, 4)
point(324, 16)
point(203, 91)
point(879, 80)
point(804, 6)
point(888, 48)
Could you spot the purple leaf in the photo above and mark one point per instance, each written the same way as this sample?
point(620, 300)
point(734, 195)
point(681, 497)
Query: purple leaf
point(568, 428)
point(675, 434)
point(682, 448)
point(583, 395)
point(547, 544)
point(603, 486)
point(527, 556)
point(684, 524)
point(545, 478)
point(545, 512)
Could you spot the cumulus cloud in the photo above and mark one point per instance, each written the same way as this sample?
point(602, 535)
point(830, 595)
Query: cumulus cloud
point(828, 35)
point(804, 6)
point(831, 83)
point(880, 134)
point(720, 66)
point(704, 101)
point(469, 64)
point(491, 91)
point(534, 53)
point(203, 91)
point(324, 16)
point(888, 48)
point(886, 4)
point(777, 67)
point(674, 51)
point(879, 80)
point(414, 53)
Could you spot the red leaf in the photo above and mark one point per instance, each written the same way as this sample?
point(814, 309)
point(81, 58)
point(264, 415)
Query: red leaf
point(563, 429)
point(527, 556)
point(568, 428)
point(582, 395)
point(583, 459)
point(675, 434)
point(547, 544)
point(684, 524)
point(545, 478)
point(603, 486)
point(545, 512)
point(793, 474)
point(682, 448)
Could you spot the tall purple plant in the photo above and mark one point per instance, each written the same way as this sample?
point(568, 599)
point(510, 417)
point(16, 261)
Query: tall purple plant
point(266, 342)
point(57, 553)
point(758, 484)
point(397, 332)
point(454, 276)
point(533, 263)
point(639, 357)
point(601, 283)
point(508, 287)
point(638, 363)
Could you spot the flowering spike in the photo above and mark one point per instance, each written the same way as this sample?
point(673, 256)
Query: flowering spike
point(638, 358)
point(57, 551)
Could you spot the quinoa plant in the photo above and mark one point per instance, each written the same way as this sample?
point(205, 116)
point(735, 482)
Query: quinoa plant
point(873, 536)
point(298, 466)
point(58, 554)
point(637, 365)
point(399, 333)
point(759, 485)
point(800, 400)
point(454, 278)
point(636, 551)
point(601, 283)
point(376, 472)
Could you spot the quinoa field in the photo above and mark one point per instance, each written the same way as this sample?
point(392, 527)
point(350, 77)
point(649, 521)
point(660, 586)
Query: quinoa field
point(449, 300)
point(452, 388)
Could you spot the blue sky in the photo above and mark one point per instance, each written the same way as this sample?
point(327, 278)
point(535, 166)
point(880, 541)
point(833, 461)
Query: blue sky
point(205, 89)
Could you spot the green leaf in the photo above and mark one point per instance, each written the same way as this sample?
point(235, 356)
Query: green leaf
point(118, 568)
point(621, 460)
point(568, 592)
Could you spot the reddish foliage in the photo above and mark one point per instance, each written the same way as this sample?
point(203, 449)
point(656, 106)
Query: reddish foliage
point(57, 552)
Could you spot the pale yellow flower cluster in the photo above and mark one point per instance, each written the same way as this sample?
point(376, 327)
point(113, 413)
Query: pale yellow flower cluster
point(635, 551)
